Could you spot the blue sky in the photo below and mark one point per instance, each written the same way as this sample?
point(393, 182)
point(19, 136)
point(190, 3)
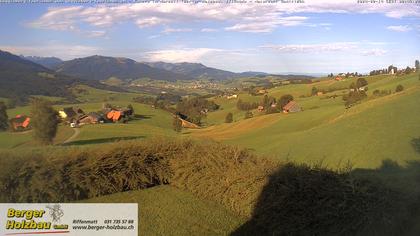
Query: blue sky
point(318, 36)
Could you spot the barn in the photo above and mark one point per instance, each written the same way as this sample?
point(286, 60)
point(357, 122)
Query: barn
point(20, 122)
point(292, 106)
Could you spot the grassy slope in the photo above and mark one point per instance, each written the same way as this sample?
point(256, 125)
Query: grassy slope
point(24, 139)
point(165, 210)
point(365, 134)
point(152, 122)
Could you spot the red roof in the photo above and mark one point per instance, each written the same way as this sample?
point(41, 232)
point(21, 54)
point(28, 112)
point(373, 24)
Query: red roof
point(289, 105)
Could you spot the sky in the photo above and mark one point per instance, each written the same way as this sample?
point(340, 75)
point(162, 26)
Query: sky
point(314, 36)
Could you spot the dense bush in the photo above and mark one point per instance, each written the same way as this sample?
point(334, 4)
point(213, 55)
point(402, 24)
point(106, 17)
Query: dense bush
point(194, 109)
point(246, 106)
point(229, 118)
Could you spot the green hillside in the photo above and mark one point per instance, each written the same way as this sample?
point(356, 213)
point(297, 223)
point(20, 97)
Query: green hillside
point(165, 210)
point(365, 134)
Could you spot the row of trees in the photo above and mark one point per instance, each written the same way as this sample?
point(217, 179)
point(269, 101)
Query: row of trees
point(194, 109)
point(357, 92)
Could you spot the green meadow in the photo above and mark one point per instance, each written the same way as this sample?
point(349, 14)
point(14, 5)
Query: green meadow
point(165, 210)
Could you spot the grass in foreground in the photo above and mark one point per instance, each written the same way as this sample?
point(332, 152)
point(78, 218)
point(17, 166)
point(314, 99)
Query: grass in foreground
point(312, 199)
point(165, 210)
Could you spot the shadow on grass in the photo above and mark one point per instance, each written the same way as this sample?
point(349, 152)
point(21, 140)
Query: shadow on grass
point(142, 117)
point(303, 200)
point(102, 140)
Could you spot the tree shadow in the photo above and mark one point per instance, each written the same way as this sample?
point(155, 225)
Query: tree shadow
point(102, 140)
point(141, 117)
point(305, 200)
point(415, 142)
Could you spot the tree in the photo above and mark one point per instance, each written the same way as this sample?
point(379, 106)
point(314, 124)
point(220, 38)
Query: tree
point(4, 119)
point(361, 82)
point(248, 115)
point(44, 121)
point(130, 110)
point(399, 88)
point(314, 91)
point(407, 70)
point(229, 118)
point(177, 124)
point(285, 99)
point(417, 65)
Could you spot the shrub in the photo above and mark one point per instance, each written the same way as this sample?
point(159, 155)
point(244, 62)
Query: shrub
point(44, 120)
point(248, 115)
point(229, 118)
point(399, 88)
point(285, 99)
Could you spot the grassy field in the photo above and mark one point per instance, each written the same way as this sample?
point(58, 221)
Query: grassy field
point(148, 122)
point(165, 210)
point(24, 139)
point(325, 131)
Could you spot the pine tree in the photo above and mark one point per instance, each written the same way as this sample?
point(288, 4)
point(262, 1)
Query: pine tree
point(229, 118)
point(4, 119)
point(44, 121)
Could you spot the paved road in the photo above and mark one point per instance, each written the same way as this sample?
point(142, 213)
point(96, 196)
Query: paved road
point(74, 136)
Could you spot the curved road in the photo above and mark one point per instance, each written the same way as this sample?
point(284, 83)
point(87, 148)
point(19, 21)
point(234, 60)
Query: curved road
point(74, 136)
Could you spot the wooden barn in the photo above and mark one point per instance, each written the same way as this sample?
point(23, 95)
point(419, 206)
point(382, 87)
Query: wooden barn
point(292, 106)
point(71, 114)
point(91, 118)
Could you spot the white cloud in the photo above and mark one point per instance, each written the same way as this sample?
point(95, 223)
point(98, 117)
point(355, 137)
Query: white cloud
point(265, 26)
point(209, 30)
point(399, 28)
point(313, 48)
point(180, 55)
point(238, 17)
point(374, 52)
point(62, 51)
point(175, 30)
point(96, 33)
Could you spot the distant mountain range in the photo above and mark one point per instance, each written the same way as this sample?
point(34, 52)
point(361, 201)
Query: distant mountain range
point(200, 71)
point(20, 78)
point(48, 62)
point(102, 68)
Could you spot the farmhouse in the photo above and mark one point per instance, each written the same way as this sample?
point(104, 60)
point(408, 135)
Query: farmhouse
point(114, 115)
point(91, 118)
point(20, 122)
point(292, 106)
point(71, 113)
point(262, 91)
point(233, 96)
